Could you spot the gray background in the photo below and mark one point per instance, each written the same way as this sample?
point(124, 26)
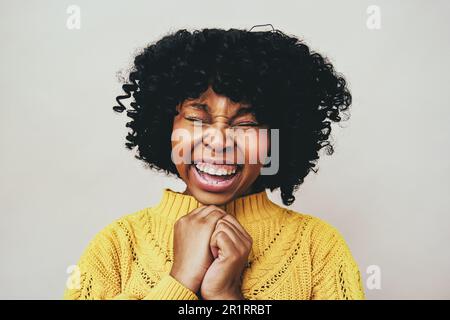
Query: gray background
point(65, 173)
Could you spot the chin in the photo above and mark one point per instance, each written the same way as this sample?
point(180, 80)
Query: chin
point(210, 198)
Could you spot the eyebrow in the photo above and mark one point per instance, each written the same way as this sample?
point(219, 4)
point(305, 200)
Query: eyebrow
point(242, 110)
point(198, 105)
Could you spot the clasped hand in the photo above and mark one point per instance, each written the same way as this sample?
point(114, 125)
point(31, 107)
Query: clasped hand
point(211, 250)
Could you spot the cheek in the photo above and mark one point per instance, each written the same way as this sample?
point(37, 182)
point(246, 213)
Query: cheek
point(181, 141)
point(256, 148)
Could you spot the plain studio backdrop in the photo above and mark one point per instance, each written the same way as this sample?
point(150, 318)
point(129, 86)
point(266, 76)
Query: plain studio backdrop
point(65, 173)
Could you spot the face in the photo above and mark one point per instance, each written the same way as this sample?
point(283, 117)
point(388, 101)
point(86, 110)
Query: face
point(222, 146)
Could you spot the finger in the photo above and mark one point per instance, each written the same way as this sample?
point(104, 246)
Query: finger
point(223, 226)
point(225, 245)
point(214, 251)
point(196, 211)
point(233, 227)
point(209, 214)
point(207, 210)
point(243, 245)
point(230, 218)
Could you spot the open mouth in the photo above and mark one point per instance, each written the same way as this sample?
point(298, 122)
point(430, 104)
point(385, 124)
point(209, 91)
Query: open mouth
point(215, 177)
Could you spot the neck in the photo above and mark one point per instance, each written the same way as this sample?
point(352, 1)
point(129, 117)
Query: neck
point(251, 190)
point(247, 208)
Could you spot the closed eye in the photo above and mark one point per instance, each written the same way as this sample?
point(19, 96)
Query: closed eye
point(193, 119)
point(247, 124)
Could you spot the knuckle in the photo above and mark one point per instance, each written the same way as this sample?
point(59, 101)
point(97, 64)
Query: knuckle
point(216, 212)
point(234, 258)
point(222, 222)
point(228, 217)
point(202, 221)
point(221, 235)
point(183, 221)
point(178, 222)
point(219, 225)
point(243, 251)
point(215, 208)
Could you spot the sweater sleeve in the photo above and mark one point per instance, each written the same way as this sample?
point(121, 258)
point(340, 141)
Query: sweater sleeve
point(335, 273)
point(97, 275)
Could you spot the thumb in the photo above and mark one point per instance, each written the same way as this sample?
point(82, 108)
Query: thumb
point(214, 246)
point(220, 241)
point(215, 252)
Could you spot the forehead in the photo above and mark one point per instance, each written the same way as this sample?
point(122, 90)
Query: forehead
point(212, 102)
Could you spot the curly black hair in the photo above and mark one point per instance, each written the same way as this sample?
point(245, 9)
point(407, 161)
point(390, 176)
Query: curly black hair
point(291, 88)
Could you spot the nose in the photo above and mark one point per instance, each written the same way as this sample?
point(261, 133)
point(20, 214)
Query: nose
point(218, 139)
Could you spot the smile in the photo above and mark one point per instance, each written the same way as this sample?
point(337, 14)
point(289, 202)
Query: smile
point(215, 177)
point(216, 170)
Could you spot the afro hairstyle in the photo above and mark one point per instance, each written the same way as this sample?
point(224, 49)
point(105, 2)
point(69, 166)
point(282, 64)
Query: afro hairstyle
point(290, 87)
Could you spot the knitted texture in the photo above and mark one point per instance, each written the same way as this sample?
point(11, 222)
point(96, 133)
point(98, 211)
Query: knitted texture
point(294, 256)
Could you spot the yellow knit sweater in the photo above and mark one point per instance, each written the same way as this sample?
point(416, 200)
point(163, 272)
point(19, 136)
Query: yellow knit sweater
point(294, 256)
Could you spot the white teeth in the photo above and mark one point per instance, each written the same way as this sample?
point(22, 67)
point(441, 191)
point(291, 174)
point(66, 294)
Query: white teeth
point(208, 168)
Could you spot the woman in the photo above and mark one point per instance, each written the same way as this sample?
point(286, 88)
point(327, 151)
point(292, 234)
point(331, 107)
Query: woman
point(222, 238)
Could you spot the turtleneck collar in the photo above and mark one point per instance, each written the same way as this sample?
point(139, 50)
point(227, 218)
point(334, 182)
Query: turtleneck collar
point(246, 209)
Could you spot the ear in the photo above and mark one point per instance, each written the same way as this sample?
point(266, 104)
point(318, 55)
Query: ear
point(178, 109)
